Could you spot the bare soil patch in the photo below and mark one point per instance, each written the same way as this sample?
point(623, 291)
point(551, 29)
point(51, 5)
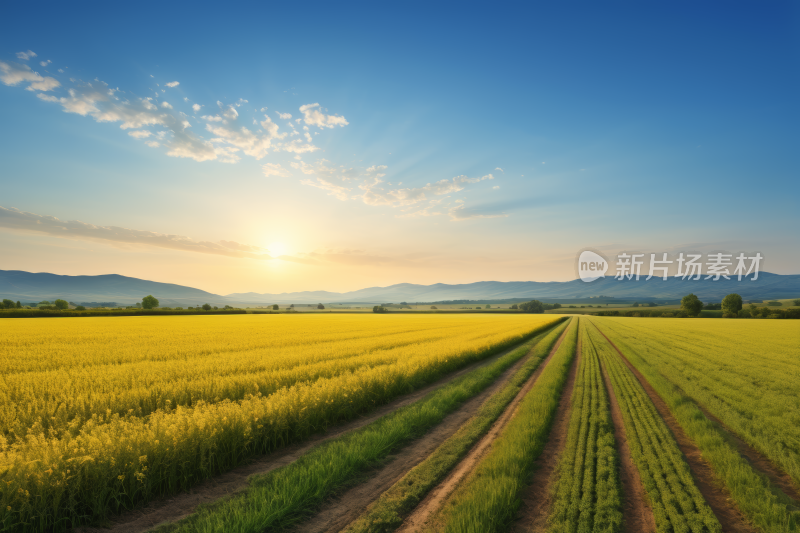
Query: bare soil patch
point(171, 509)
point(715, 495)
point(437, 497)
point(537, 499)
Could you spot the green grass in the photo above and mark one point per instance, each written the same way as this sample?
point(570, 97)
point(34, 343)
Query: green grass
point(757, 498)
point(389, 511)
point(285, 496)
point(587, 492)
point(678, 505)
point(489, 499)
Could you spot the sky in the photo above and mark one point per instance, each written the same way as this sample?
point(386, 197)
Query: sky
point(253, 147)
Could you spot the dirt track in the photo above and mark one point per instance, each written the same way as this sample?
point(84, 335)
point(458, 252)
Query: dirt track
point(179, 506)
point(437, 497)
point(717, 498)
point(537, 498)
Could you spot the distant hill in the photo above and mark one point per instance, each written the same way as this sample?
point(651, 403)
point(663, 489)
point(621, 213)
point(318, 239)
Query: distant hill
point(34, 287)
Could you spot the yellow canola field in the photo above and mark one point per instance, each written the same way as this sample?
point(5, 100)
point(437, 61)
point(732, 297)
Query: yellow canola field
point(99, 413)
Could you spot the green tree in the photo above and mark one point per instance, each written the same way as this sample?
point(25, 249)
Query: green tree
point(80, 308)
point(378, 309)
point(731, 304)
point(61, 304)
point(149, 302)
point(796, 302)
point(19, 305)
point(275, 307)
point(320, 306)
point(691, 304)
point(434, 307)
point(514, 306)
point(488, 306)
point(7, 304)
point(534, 306)
point(206, 307)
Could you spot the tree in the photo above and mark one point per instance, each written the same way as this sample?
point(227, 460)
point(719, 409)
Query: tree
point(514, 306)
point(691, 304)
point(80, 308)
point(635, 304)
point(534, 306)
point(378, 309)
point(434, 307)
point(320, 306)
point(731, 304)
point(275, 307)
point(61, 304)
point(149, 302)
point(206, 307)
point(488, 306)
point(291, 306)
point(19, 305)
point(7, 304)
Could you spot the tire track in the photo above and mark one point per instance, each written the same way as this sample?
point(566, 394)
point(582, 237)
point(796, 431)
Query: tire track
point(537, 499)
point(436, 498)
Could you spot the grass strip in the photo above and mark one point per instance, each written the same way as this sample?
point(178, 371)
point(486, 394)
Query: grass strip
point(755, 495)
point(283, 497)
point(389, 511)
point(678, 505)
point(489, 499)
point(587, 492)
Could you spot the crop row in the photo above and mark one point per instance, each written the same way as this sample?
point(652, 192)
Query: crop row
point(488, 500)
point(114, 461)
point(676, 501)
point(59, 374)
point(285, 496)
point(753, 493)
point(746, 374)
point(587, 493)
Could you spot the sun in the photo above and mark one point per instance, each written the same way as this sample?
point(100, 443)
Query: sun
point(277, 249)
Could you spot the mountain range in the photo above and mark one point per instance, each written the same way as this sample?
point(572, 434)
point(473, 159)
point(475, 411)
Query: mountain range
point(34, 287)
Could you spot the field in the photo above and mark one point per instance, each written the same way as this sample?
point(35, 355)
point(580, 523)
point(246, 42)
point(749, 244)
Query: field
point(401, 422)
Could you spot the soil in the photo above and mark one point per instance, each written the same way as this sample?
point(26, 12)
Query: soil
point(338, 513)
point(171, 509)
point(437, 497)
point(537, 499)
point(716, 496)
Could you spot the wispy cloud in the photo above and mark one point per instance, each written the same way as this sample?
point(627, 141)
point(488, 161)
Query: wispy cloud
point(334, 190)
point(26, 55)
point(173, 84)
point(314, 117)
point(15, 73)
point(375, 194)
point(275, 169)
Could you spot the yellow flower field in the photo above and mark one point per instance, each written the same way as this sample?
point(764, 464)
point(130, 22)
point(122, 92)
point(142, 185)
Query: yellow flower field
point(99, 413)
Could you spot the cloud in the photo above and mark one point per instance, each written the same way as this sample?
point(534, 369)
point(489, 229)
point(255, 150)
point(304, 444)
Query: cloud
point(241, 138)
point(14, 73)
point(374, 194)
point(275, 169)
point(461, 212)
point(152, 144)
point(303, 167)
point(196, 107)
point(313, 117)
point(20, 220)
point(377, 171)
point(173, 84)
point(501, 170)
point(333, 190)
point(140, 134)
point(166, 105)
point(284, 116)
point(496, 187)
point(45, 63)
point(26, 55)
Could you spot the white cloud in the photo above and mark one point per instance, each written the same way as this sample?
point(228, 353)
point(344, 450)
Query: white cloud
point(196, 107)
point(45, 63)
point(166, 105)
point(242, 138)
point(377, 171)
point(173, 84)
point(14, 73)
point(460, 212)
point(313, 117)
point(26, 55)
point(501, 170)
point(284, 116)
point(275, 169)
point(374, 194)
point(152, 144)
point(140, 134)
point(496, 187)
point(61, 70)
point(297, 147)
point(333, 190)
point(303, 167)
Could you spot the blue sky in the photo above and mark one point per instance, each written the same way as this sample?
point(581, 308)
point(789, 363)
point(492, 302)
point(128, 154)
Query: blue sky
point(450, 143)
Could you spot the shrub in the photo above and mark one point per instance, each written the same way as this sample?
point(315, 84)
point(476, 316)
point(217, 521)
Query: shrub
point(774, 304)
point(728, 315)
